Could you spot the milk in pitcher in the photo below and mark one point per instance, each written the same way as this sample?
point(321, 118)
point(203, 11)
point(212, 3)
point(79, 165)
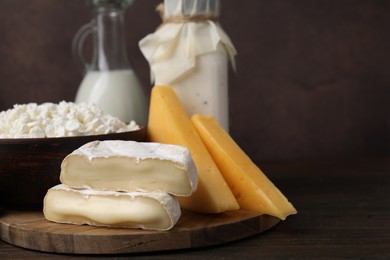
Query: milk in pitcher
point(116, 92)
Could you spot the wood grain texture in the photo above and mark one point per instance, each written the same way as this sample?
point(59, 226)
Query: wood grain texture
point(29, 229)
point(343, 213)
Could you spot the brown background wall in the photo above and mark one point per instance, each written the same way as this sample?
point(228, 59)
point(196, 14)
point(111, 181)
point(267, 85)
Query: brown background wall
point(313, 75)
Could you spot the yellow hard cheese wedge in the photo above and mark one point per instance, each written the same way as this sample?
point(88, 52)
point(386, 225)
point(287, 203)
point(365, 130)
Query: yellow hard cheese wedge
point(169, 124)
point(252, 189)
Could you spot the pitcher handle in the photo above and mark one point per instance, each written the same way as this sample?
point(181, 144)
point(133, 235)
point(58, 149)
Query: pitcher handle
point(78, 42)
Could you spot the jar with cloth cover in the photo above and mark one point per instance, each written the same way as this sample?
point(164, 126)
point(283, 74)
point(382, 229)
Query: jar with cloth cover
point(190, 52)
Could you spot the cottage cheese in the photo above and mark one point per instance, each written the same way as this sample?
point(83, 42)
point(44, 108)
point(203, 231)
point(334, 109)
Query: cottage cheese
point(59, 120)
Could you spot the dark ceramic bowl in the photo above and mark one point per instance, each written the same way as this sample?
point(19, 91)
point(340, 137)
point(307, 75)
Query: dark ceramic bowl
point(30, 166)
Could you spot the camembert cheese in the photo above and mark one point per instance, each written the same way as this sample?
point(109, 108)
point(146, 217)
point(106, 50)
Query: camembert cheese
point(252, 189)
point(169, 123)
point(151, 210)
point(131, 166)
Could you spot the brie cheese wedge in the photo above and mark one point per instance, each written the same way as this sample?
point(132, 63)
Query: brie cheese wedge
point(151, 211)
point(131, 166)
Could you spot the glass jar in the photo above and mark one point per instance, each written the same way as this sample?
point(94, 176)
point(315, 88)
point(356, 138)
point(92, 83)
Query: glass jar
point(190, 52)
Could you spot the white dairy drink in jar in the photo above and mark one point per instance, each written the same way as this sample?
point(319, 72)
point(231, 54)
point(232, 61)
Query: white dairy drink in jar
point(190, 52)
point(205, 90)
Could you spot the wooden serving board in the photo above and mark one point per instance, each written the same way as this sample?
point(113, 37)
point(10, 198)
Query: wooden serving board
point(30, 229)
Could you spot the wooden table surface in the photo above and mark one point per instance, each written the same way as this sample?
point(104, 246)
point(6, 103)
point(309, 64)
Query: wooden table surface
point(343, 212)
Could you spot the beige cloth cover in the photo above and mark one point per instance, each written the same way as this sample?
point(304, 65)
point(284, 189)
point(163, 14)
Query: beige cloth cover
point(185, 34)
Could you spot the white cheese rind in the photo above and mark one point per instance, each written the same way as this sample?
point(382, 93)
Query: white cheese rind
point(131, 166)
point(150, 211)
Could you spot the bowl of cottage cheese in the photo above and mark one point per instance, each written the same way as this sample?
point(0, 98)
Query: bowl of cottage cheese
point(35, 138)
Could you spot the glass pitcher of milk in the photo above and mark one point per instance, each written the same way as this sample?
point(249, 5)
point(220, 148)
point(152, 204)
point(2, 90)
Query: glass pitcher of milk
point(109, 81)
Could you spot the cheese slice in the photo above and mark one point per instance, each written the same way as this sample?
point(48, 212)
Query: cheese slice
point(252, 189)
point(169, 123)
point(153, 211)
point(131, 166)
